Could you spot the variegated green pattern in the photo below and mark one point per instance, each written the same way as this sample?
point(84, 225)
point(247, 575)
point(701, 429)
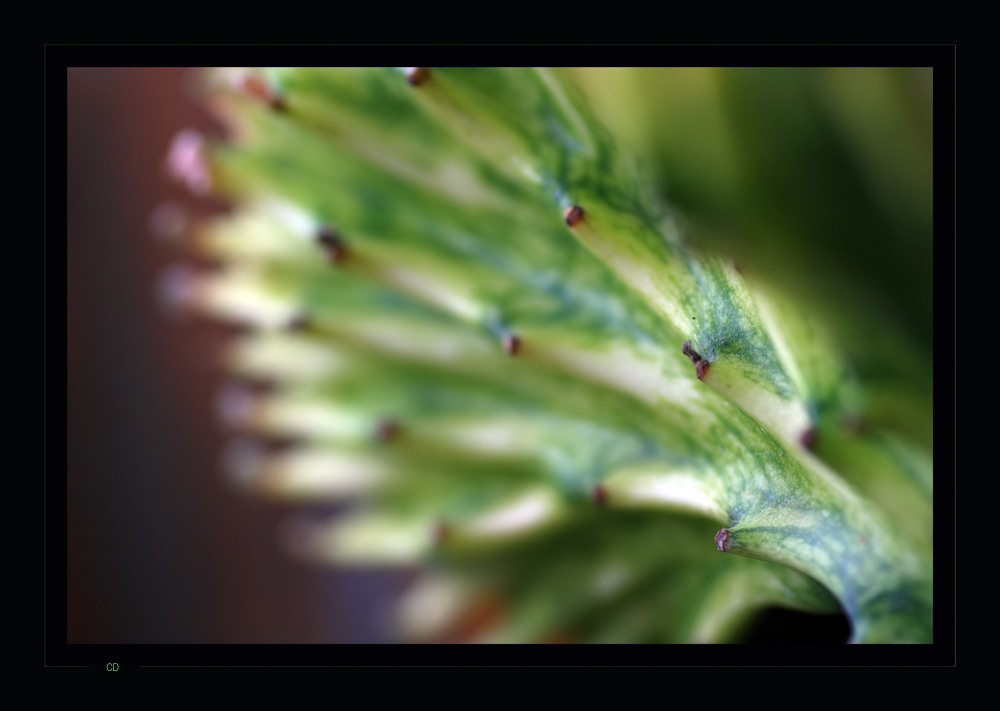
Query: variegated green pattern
point(503, 390)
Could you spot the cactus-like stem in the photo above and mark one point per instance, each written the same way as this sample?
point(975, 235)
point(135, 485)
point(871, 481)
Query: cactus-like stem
point(483, 324)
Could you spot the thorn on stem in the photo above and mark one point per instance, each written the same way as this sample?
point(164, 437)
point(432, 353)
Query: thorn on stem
point(417, 75)
point(573, 215)
point(255, 86)
point(722, 540)
point(440, 533)
point(332, 244)
point(854, 424)
point(386, 430)
point(700, 364)
point(808, 438)
point(298, 323)
point(511, 344)
point(599, 495)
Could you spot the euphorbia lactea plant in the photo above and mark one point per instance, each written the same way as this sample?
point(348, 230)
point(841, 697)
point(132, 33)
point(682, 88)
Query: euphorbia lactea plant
point(479, 322)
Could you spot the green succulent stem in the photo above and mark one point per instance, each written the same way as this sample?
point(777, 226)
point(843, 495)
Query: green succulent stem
point(487, 329)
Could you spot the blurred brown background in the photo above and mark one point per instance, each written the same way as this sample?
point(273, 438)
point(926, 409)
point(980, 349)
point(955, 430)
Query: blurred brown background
point(161, 549)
